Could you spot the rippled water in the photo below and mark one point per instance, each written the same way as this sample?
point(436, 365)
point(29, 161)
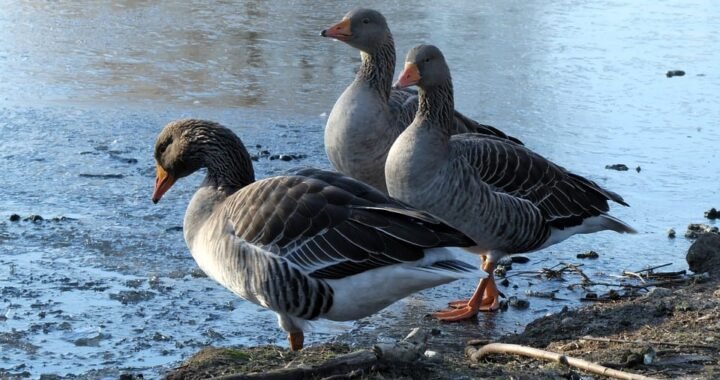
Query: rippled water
point(85, 86)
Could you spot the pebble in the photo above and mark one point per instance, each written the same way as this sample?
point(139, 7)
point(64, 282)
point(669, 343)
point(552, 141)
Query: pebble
point(34, 218)
point(519, 259)
point(638, 169)
point(14, 217)
point(671, 233)
point(674, 73)
point(518, 303)
point(712, 214)
point(618, 167)
point(433, 355)
point(588, 255)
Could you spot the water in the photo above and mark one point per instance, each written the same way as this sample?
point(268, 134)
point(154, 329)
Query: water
point(86, 86)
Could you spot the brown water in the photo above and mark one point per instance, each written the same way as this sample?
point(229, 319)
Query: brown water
point(86, 85)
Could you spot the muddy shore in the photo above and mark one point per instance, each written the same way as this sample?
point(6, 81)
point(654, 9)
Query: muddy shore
point(667, 331)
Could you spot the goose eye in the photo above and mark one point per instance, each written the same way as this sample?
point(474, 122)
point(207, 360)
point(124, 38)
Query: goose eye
point(366, 21)
point(427, 60)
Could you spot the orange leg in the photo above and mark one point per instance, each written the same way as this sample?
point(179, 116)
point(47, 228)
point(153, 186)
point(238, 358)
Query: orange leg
point(296, 340)
point(485, 298)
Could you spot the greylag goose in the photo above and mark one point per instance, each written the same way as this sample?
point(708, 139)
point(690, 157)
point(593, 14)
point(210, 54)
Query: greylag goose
point(315, 244)
point(369, 115)
point(507, 198)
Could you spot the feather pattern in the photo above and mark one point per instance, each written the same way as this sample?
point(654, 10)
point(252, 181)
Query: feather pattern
point(301, 244)
point(370, 114)
point(505, 196)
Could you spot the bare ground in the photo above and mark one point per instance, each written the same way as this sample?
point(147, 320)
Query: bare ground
point(669, 334)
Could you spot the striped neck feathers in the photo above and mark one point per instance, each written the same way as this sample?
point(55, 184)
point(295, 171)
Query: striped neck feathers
point(377, 68)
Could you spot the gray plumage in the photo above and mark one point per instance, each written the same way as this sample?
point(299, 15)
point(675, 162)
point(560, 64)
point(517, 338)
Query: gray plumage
point(506, 197)
point(301, 244)
point(370, 114)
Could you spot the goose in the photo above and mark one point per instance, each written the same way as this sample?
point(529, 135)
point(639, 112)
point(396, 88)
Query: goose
point(507, 198)
point(313, 244)
point(370, 114)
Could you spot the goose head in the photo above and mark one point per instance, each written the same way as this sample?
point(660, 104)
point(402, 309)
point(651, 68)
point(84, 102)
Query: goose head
point(363, 29)
point(425, 67)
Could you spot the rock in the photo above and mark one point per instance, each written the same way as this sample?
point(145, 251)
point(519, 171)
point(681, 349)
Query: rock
point(658, 293)
point(518, 303)
point(674, 73)
point(638, 169)
point(671, 233)
point(618, 167)
point(505, 282)
point(696, 229)
point(712, 214)
point(34, 218)
point(285, 157)
point(704, 254)
point(519, 259)
point(588, 255)
point(433, 356)
point(14, 217)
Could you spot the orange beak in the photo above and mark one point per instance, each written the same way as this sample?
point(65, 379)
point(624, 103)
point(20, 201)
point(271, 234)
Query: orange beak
point(163, 183)
point(409, 76)
point(340, 31)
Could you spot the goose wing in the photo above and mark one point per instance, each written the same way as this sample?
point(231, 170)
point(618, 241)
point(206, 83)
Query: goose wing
point(565, 199)
point(331, 226)
point(403, 104)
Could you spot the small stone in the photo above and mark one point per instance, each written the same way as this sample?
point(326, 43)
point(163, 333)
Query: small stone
point(274, 157)
point(285, 157)
point(433, 356)
point(712, 214)
point(34, 218)
point(674, 73)
point(638, 169)
point(519, 259)
point(671, 233)
point(588, 255)
point(518, 303)
point(14, 217)
point(505, 282)
point(618, 167)
point(591, 296)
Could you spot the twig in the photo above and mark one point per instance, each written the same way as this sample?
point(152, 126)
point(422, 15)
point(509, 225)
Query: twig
point(649, 342)
point(660, 283)
point(580, 272)
point(653, 268)
point(503, 348)
point(633, 274)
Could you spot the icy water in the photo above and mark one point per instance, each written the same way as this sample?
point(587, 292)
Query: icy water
point(109, 287)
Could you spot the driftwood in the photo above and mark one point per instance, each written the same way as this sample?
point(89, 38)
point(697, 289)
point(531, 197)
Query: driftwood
point(349, 365)
point(503, 348)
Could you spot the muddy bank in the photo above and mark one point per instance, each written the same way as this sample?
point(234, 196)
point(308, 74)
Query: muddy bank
point(665, 332)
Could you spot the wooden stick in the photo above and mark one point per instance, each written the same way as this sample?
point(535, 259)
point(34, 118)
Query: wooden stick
point(652, 268)
point(503, 348)
point(650, 342)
